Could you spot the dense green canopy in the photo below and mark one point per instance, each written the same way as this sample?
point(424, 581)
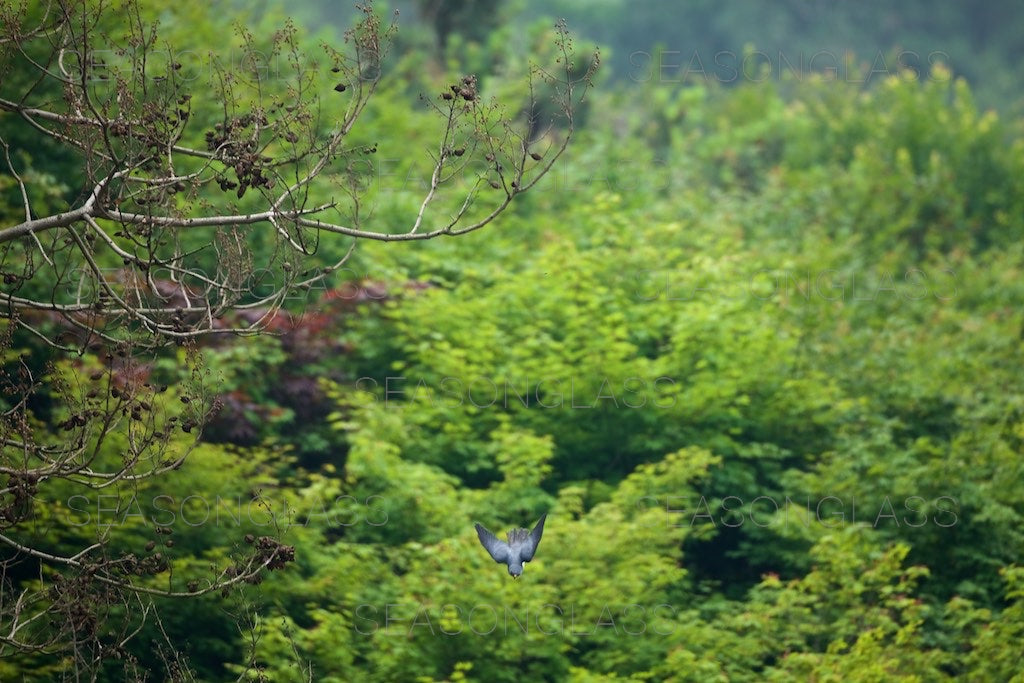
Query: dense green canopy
point(755, 348)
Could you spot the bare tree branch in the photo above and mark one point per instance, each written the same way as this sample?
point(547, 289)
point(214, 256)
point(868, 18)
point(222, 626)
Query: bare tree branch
point(151, 248)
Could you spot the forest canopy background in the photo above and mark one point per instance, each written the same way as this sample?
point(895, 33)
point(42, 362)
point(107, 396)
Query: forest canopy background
point(754, 345)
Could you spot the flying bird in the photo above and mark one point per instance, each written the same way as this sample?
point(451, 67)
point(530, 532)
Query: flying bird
point(521, 546)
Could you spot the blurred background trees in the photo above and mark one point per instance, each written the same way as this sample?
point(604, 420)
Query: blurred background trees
point(754, 346)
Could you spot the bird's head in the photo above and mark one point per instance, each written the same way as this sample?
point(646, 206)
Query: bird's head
point(516, 572)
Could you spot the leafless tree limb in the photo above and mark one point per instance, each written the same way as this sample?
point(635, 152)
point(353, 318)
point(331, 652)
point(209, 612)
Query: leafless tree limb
point(154, 251)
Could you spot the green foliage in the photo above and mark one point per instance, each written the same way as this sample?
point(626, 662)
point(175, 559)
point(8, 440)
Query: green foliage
point(727, 41)
point(755, 351)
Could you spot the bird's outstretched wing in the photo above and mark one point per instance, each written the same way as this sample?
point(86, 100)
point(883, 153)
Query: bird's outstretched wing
point(530, 547)
point(497, 548)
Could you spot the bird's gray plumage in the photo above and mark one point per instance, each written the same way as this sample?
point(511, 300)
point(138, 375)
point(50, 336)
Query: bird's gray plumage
point(520, 548)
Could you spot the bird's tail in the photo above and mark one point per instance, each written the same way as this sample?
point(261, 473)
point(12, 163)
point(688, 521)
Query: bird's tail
point(518, 536)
